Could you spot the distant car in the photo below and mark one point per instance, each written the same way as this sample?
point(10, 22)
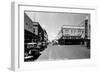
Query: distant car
point(42, 45)
point(55, 42)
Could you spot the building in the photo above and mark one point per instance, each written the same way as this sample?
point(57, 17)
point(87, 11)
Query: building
point(75, 34)
point(34, 35)
point(86, 24)
point(45, 36)
point(33, 30)
point(30, 30)
point(70, 33)
point(87, 34)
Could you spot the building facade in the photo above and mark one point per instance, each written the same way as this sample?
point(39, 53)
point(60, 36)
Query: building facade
point(71, 33)
point(75, 34)
point(34, 34)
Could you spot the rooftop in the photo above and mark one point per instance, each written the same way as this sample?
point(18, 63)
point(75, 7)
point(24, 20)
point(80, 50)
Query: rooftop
point(73, 26)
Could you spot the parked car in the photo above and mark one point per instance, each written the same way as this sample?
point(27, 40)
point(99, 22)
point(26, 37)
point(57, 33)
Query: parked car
point(29, 48)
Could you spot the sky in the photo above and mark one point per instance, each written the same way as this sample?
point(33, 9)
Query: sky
point(52, 22)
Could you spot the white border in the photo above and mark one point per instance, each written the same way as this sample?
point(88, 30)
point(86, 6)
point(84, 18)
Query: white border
point(18, 37)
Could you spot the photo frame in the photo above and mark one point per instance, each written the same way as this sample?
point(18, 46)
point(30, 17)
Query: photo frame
point(17, 35)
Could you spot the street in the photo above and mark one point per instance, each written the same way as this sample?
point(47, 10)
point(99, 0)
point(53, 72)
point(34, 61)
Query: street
point(59, 52)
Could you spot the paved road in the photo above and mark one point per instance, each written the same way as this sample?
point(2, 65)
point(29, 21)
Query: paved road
point(64, 52)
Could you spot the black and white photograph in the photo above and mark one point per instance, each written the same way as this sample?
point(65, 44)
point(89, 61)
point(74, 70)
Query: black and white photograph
point(52, 37)
point(56, 36)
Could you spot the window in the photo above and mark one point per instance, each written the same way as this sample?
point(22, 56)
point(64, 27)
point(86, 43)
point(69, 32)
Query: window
point(33, 30)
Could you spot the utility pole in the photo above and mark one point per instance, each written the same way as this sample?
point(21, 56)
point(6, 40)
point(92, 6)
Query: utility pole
point(34, 17)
